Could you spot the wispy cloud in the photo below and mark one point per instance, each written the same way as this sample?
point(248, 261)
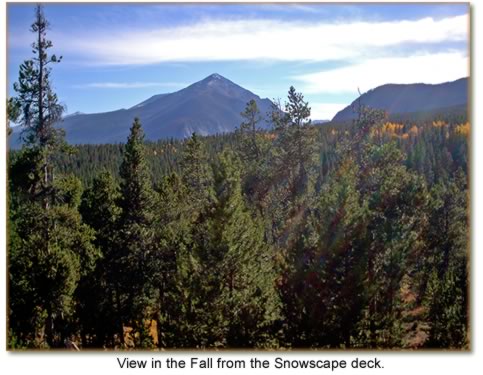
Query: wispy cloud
point(297, 7)
point(129, 85)
point(255, 39)
point(429, 68)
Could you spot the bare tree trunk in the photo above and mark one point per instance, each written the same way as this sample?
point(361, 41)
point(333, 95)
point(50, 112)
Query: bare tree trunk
point(119, 318)
point(372, 304)
point(49, 328)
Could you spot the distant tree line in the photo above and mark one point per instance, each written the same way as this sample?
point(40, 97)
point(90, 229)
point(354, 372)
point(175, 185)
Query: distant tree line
point(350, 236)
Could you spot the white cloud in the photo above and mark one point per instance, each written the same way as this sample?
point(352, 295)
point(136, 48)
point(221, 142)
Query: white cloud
point(429, 68)
point(249, 39)
point(129, 85)
point(325, 111)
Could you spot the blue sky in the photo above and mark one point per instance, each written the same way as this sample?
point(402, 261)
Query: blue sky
point(117, 55)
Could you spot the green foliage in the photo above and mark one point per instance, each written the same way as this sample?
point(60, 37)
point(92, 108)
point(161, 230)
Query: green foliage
point(238, 265)
point(136, 189)
point(250, 149)
point(253, 148)
point(136, 234)
point(197, 175)
point(39, 107)
point(445, 293)
point(394, 198)
point(50, 247)
point(50, 252)
point(324, 293)
point(98, 308)
point(67, 190)
point(292, 164)
point(13, 113)
point(294, 148)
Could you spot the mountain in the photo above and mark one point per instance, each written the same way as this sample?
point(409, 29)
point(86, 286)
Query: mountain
point(319, 122)
point(210, 106)
point(417, 98)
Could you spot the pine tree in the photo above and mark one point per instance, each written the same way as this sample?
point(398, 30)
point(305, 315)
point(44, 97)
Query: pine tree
point(253, 149)
point(293, 162)
point(445, 293)
point(48, 229)
point(39, 106)
point(174, 272)
point(239, 301)
point(61, 258)
point(219, 279)
point(186, 204)
point(137, 239)
point(197, 176)
point(137, 201)
point(249, 143)
point(394, 232)
point(323, 293)
point(99, 313)
point(294, 155)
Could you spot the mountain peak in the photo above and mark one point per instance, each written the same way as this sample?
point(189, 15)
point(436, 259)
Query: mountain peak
point(217, 83)
point(215, 76)
point(210, 106)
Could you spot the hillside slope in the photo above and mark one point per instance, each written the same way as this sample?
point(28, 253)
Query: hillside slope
point(418, 97)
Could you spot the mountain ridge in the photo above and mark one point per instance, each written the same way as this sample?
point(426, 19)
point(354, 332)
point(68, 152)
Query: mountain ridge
point(214, 104)
point(408, 98)
point(210, 106)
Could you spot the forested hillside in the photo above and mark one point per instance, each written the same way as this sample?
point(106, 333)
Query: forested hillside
point(299, 236)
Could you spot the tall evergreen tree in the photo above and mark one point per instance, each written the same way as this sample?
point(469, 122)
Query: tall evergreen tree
point(197, 176)
point(253, 149)
point(292, 163)
point(250, 148)
point(238, 266)
point(137, 201)
point(39, 107)
point(191, 214)
point(445, 261)
point(48, 229)
point(174, 266)
point(98, 296)
point(49, 253)
point(323, 293)
point(294, 147)
point(137, 239)
point(394, 195)
point(393, 229)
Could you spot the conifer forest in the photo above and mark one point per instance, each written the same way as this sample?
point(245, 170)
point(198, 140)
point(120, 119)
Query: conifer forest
point(349, 235)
